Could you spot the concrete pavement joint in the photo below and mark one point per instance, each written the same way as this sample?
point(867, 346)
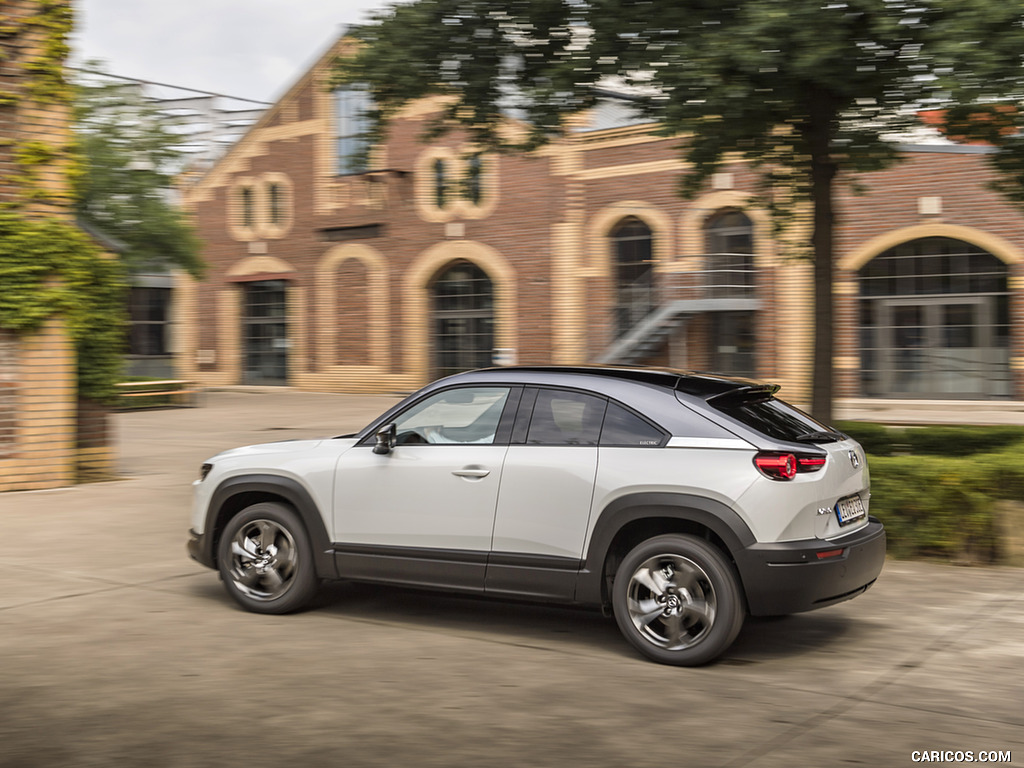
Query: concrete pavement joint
point(112, 586)
point(864, 694)
point(461, 633)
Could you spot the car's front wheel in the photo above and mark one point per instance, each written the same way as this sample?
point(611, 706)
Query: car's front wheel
point(677, 600)
point(266, 560)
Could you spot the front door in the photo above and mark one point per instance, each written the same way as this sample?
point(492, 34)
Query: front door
point(424, 512)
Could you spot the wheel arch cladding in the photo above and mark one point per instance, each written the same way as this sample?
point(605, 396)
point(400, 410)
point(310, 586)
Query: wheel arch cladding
point(633, 518)
point(236, 493)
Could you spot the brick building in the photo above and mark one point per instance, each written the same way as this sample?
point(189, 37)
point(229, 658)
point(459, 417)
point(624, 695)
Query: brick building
point(38, 403)
point(434, 257)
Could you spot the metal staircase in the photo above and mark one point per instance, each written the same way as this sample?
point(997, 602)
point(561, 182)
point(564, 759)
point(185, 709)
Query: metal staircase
point(712, 290)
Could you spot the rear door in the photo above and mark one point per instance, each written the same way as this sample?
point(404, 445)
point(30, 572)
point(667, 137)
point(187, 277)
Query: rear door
point(546, 493)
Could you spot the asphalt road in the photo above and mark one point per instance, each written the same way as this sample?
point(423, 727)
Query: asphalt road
point(117, 650)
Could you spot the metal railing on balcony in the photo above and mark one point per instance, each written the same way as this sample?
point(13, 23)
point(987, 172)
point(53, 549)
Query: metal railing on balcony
point(650, 309)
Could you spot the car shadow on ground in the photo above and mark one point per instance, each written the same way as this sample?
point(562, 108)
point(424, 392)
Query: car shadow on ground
point(553, 627)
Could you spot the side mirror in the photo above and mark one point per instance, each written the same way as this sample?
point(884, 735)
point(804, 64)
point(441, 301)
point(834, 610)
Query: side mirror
point(387, 436)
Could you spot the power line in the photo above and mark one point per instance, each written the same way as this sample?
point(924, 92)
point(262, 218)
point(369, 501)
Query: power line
point(168, 85)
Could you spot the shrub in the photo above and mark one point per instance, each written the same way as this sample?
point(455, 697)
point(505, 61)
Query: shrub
point(936, 487)
point(880, 440)
point(935, 506)
point(876, 439)
point(960, 441)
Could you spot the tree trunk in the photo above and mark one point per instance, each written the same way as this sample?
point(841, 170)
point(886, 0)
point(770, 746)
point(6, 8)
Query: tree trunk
point(823, 172)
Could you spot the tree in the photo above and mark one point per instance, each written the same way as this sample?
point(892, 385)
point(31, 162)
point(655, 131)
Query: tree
point(801, 89)
point(130, 156)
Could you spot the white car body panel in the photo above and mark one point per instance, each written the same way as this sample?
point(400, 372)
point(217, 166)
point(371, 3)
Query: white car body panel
point(789, 510)
point(720, 475)
point(310, 463)
point(411, 498)
point(545, 499)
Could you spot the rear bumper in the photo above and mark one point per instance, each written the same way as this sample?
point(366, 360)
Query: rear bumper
point(788, 577)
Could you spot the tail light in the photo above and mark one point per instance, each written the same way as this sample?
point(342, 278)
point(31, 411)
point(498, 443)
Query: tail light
point(785, 466)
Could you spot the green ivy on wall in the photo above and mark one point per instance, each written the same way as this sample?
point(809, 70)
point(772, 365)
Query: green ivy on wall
point(48, 267)
point(51, 268)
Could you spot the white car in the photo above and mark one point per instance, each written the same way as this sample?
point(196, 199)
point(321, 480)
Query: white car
point(680, 501)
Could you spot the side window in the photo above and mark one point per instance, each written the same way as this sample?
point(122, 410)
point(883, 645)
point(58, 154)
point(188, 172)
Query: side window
point(465, 415)
point(625, 428)
point(566, 418)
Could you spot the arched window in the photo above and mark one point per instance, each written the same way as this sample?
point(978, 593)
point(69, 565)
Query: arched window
point(729, 274)
point(473, 181)
point(632, 251)
point(729, 246)
point(440, 184)
point(935, 322)
point(463, 318)
point(274, 209)
point(246, 205)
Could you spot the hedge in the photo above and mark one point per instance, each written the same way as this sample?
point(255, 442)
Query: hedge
point(880, 440)
point(936, 488)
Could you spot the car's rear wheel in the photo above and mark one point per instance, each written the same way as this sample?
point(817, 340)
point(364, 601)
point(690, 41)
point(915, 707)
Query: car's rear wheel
point(677, 600)
point(266, 560)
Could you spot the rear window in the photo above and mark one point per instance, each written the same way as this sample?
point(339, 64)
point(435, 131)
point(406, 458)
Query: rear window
point(776, 419)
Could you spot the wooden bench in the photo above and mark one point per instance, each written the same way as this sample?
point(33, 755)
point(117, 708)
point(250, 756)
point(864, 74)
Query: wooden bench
point(176, 392)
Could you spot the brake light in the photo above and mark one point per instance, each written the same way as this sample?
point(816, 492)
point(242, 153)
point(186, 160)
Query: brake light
point(809, 463)
point(778, 466)
point(784, 466)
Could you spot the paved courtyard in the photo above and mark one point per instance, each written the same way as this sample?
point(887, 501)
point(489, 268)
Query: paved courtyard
point(117, 650)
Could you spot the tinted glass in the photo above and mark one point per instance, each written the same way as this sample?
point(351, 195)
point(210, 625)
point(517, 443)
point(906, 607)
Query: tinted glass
point(622, 427)
point(566, 418)
point(773, 418)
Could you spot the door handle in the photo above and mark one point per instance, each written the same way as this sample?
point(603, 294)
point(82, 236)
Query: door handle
point(471, 472)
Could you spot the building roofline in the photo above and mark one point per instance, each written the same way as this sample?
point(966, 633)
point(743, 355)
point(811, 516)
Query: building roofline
point(329, 53)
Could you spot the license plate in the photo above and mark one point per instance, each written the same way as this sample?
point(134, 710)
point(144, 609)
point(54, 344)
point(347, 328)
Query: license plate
point(850, 510)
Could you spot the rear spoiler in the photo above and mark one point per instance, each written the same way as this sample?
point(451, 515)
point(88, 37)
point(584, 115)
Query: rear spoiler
point(748, 394)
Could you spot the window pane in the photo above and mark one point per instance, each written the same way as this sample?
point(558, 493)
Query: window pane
point(246, 197)
point(931, 323)
point(566, 418)
point(622, 427)
point(771, 417)
point(149, 314)
point(351, 106)
point(274, 194)
point(467, 415)
point(474, 171)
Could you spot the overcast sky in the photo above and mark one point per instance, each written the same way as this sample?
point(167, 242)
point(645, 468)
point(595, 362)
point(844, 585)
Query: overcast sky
point(249, 48)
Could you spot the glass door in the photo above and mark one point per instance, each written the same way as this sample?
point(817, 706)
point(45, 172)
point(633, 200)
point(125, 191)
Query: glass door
point(941, 347)
point(265, 333)
point(463, 319)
